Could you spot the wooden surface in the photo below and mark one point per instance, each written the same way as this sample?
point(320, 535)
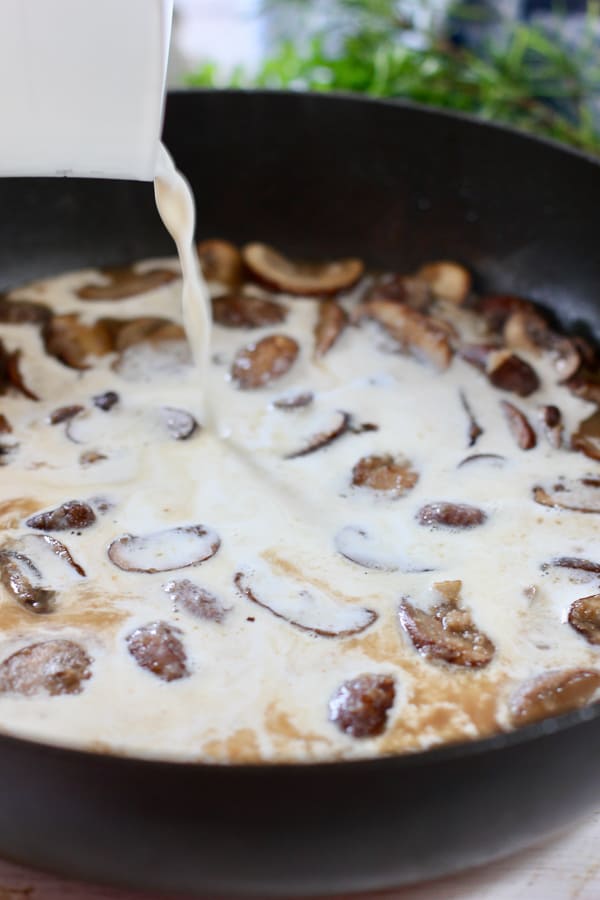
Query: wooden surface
point(566, 868)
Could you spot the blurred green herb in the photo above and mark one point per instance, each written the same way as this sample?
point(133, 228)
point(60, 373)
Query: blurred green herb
point(524, 76)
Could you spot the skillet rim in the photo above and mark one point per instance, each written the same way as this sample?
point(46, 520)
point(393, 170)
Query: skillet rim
point(440, 754)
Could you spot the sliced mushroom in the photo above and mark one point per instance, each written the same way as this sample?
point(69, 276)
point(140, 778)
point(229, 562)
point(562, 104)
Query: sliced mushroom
point(52, 667)
point(246, 311)
point(509, 372)
point(552, 694)
point(23, 312)
point(577, 494)
point(294, 401)
point(196, 600)
point(332, 319)
point(72, 342)
point(258, 364)
point(5, 426)
point(402, 289)
point(475, 429)
point(450, 515)
point(158, 648)
point(478, 355)
point(551, 418)
point(584, 617)
point(145, 329)
point(424, 337)
point(10, 373)
point(447, 632)
point(302, 278)
point(587, 437)
point(332, 426)
point(179, 423)
point(17, 572)
point(497, 308)
point(493, 459)
point(59, 550)
point(574, 562)
point(125, 282)
point(360, 706)
point(360, 546)
point(585, 384)
point(106, 401)
point(447, 280)
point(70, 516)
point(306, 608)
point(64, 413)
point(526, 330)
point(163, 551)
point(519, 426)
point(394, 476)
point(221, 261)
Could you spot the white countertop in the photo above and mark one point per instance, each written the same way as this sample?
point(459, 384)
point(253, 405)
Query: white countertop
point(565, 868)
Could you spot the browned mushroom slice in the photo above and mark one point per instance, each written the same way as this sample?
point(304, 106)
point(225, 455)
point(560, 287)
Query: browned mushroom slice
point(402, 289)
point(17, 574)
point(388, 474)
point(584, 617)
point(446, 633)
point(196, 600)
point(258, 364)
point(106, 401)
point(294, 401)
point(360, 546)
point(10, 373)
point(497, 308)
point(551, 418)
point(552, 694)
point(70, 516)
point(577, 494)
point(122, 283)
point(179, 423)
point(332, 319)
point(447, 280)
point(424, 337)
point(587, 437)
point(157, 648)
point(245, 311)
point(574, 562)
point(51, 667)
point(5, 426)
point(509, 372)
point(519, 426)
point(332, 426)
point(526, 330)
point(59, 550)
point(475, 429)
point(72, 342)
point(221, 261)
point(302, 278)
point(163, 551)
point(150, 346)
point(493, 459)
point(23, 312)
point(64, 413)
point(451, 515)
point(585, 384)
point(360, 706)
point(152, 329)
point(303, 606)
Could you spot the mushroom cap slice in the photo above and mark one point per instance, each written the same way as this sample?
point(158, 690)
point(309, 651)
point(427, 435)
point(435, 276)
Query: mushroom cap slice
point(447, 280)
point(221, 261)
point(385, 474)
point(508, 372)
point(331, 426)
point(17, 572)
point(196, 600)
point(584, 617)
point(553, 693)
point(587, 437)
point(381, 552)
point(258, 364)
point(577, 494)
point(519, 426)
point(303, 606)
point(163, 551)
point(446, 633)
point(425, 338)
point(157, 648)
point(51, 667)
point(331, 321)
point(70, 516)
point(451, 515)
point(238, 310)
point(360, 706)
point(301, 278)
point(125, 282)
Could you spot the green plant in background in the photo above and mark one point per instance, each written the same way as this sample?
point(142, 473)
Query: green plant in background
point(524, 76)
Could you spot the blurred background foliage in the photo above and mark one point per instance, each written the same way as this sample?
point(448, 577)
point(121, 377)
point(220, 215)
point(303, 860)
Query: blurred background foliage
point(466, 56)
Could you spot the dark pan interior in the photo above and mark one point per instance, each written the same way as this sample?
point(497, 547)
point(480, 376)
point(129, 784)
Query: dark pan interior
point(317, 176)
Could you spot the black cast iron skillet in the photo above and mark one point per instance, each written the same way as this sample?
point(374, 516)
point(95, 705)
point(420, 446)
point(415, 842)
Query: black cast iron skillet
point(396, 185)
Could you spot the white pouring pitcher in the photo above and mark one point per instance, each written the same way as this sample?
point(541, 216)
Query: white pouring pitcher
point(82, 86)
